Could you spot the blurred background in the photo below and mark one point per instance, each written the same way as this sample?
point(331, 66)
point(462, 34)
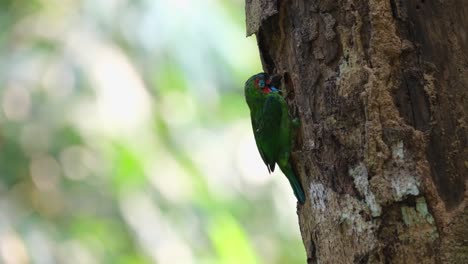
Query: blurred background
point(125, 138)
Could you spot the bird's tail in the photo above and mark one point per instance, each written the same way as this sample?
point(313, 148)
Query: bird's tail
point(295, 183)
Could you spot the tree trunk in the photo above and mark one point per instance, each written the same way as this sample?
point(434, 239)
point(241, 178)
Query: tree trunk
point(380, 88)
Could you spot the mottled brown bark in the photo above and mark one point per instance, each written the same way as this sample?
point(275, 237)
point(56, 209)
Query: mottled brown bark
point(380, 88)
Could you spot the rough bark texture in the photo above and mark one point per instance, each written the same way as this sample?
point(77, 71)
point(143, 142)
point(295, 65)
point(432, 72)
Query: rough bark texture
point(380, 88)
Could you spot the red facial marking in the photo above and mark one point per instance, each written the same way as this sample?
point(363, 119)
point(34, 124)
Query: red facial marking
point(266, 90)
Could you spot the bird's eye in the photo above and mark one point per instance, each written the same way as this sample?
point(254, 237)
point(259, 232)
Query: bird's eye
point(261, 83)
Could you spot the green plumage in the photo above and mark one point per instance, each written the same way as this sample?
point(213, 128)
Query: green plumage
point(272, 127)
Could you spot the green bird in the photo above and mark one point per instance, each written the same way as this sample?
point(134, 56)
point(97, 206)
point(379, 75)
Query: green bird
point(272, 126)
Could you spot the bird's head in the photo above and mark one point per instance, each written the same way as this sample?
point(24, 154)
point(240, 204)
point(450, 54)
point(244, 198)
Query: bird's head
point(263, 83)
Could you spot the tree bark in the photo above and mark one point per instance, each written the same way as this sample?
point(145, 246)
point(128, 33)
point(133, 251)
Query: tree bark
point(380, 88)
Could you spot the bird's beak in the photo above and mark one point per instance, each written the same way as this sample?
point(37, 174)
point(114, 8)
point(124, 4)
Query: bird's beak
point(274, 80)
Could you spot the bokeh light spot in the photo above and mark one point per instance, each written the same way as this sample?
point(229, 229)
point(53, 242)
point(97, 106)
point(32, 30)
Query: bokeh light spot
point(12, 249)
point(45, 172)
point(77, 162)
point(16, 103)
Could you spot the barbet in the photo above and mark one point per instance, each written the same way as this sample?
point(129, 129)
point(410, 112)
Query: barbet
point(272, 126)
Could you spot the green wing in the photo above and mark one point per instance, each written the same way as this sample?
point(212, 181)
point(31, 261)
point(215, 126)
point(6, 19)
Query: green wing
point(266, 125)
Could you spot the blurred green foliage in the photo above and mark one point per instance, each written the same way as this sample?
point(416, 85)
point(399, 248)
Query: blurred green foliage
point(124, 137)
